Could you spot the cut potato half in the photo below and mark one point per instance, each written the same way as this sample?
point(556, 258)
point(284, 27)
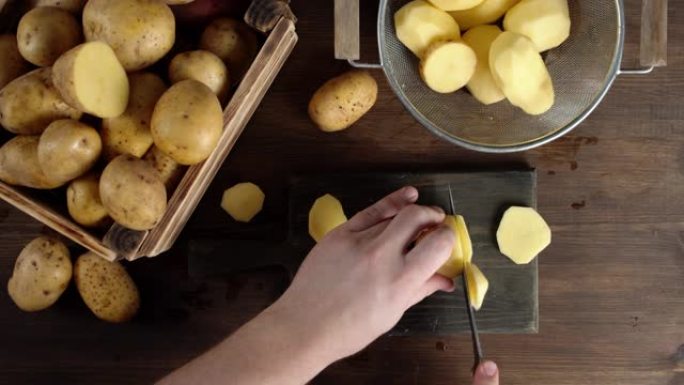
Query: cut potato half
point(243, 201)
point(447, 66)
point(419, 24)
point(325, 215)
point(545, 22)
point(477, 285)
point(455, 5)
point(522, 234)
point(487, 12)
point(481, 84)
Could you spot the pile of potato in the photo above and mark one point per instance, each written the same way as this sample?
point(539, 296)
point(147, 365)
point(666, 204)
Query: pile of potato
point(88, 112)
point(492, 64)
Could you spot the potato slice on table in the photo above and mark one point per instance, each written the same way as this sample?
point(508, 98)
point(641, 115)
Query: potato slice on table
point(520, 73)
point(455, 5)
point(84, 203)
point(243, 201)
point(68, 149)
point(447, 66)
point(45, 33)
point(522, 234)
point(545, 22)
point(462, 252)
point(419, 24)
point(90, 78)
point(477, 285)
point(12, 64)
point(325, 215)
point(487, 12)
point(482, 85)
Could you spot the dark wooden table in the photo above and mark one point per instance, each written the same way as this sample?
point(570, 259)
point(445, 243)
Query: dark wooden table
point(611, 284)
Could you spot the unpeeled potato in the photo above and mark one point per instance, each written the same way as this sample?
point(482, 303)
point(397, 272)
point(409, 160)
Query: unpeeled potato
point(486, 12)
point(482, 85)
point(45, 33)
point(19, 164)
point(12, 64)
point(68, 149)
point(325, 215)
point(419, 24)
point(203, 66)
point(170, 172)
point(232, 41)
point(84, 203)
point(545, 22)
point(73, 6)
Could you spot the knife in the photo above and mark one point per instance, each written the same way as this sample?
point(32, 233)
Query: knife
point(477, 347)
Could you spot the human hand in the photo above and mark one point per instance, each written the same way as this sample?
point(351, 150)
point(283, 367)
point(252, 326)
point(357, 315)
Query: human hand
point(360, 279)
point(486, 374)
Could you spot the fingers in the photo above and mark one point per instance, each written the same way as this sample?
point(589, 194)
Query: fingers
point(423, 261)
point(486, 374)
point(434, 284)
point(385, 208)
point(412, 219)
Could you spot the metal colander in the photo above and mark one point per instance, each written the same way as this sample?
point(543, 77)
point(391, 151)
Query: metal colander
point(582, 68)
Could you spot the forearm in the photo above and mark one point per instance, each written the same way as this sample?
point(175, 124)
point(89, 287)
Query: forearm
point(273, 348)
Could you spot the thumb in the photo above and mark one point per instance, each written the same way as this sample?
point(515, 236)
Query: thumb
point(486, 374)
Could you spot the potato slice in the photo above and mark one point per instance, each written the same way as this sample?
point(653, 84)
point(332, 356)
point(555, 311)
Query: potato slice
point(325, 215)
point(89, 77)
point(419, 24)
point(477, 285)
point(487, 12)
point(455, 5)
point(462, 252)
point(545, 22)
point(522, 234)
point(447, 66)
point(520, 73)
point(482, 85)
point(243, 201)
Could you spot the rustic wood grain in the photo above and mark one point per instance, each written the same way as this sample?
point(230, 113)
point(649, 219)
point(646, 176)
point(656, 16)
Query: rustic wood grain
point(347, 39)
point(654, 33)
point(611, 285)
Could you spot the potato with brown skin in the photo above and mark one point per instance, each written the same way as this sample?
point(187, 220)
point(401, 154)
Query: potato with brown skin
point(41, 274)
point(68, 149)
point(129, 133)
point(139, 31)
point(106, 288)
point(232, 41)
point(133, 193)
point(30, 102)
point(343, 100)
point(84, 203)
point(19, 164)
point(203, 66)
point(73, 6)
point(12, 64)
point(45, 33)
point(169, 170)
point(187, 122)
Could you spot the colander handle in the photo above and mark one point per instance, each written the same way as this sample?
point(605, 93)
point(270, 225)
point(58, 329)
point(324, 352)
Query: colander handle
point(347, 39)
point(653, 46)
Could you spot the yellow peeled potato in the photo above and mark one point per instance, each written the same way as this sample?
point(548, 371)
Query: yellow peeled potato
point(41, 274)
point(90, 78)
point(462, 252)
point(487, 12)
point(447, 66)
point(45, 33)
point(129, 133)
point(325, 215)
point(170, 172)
point(455, 5)
point(68, 149)
point(482, 85)
point(243, 201)
point(520, 73)
point(106, 288)
point(232, 41)
point(419, 24)
point(19, 164)
point(12, 64)
point(522, 234)
point(477, 285)
point(203, 66)
point(545, 22)
point(84, 203)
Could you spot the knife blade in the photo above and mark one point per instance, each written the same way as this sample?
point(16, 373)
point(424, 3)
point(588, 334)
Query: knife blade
point(475, 335)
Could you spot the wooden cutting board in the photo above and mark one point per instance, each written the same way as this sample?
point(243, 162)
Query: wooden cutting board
point(511, 305)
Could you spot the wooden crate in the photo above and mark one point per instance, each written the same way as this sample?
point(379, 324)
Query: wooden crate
point(268, 16)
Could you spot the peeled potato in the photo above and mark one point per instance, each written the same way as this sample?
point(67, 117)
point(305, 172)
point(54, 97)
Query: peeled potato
point(545, 22)
point(325, 215)
point(522, 234)
point(455, 5)
point(477, 285)
point(520, 73)
point(462, 252)
point(447, 66)
point(481, 84)
point(487, 12)
point(419, 24)
point(243, 201)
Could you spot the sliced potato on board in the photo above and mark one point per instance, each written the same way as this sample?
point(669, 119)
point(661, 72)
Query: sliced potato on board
point(419, 24)
point(522, 234)
point(447, 66)
point(325, 215)
point(462, 252)
point(477, 285)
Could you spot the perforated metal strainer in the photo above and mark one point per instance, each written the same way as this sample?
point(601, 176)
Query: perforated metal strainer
point(582, 68)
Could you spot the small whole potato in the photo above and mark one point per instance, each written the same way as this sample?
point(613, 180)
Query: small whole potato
point(106, 288)
point(45, 33)
point(41, 274)
point(343, 100)
point(139, 31)
point(187, 122)
point(19, 164)
point(234, 42)
point(12, 64)
point(169, 170)
point(30, 102)
point(133, 193)
point(84, 203)
point(203, 66)
point(73, 6)
point(68, 149)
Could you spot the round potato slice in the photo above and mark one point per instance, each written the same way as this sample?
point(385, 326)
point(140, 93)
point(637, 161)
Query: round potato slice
point(243, 201)
point(45, 33)
point(455, 5)
point(522, 234)
point(482, 85)
point(325, 215)
point(68, 149)
point(447, 66)
point(419, 24)
point(84, 203)
point(477, 285)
